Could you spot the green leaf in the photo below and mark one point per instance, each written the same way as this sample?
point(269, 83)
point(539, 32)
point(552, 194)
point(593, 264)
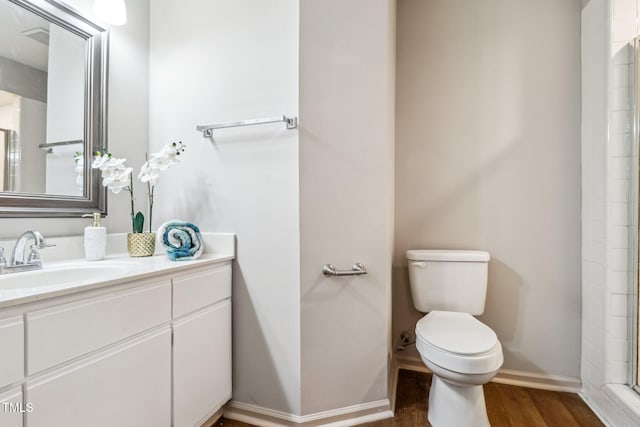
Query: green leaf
point(138, 223)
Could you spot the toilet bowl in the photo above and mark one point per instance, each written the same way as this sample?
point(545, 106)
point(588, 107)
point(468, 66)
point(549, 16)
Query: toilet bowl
point(463, 354)
point(461, 351)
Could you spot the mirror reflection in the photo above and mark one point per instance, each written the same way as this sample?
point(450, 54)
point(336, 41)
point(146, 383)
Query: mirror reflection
point(42, 105)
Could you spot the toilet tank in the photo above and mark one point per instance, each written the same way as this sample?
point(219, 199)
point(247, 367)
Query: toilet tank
point(448, 280)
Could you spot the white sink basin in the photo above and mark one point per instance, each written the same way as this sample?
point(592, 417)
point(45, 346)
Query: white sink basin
point(64, 274)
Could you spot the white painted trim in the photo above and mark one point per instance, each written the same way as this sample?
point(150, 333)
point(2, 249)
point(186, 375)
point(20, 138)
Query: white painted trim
point(625, 399)
point(508, 376)
point(364, 410)
point(596, 410)
point(255, 415)
point(348, 416)
point(541, 381)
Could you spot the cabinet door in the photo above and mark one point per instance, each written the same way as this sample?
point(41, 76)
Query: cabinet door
point(12, 353)
point(201, 364)
point(12, 407)
point(126, 386)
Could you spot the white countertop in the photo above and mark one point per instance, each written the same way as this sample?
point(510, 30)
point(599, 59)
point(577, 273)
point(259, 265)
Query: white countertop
point(67, 276)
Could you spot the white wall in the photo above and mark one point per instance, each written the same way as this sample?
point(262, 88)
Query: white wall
point(23, 80)
point(65, 109)
point(9, 120)
point(30, 170)
point(216, 61)
point(128, 119)
point(346, 198)
point(61, 172)
point(66, 86)
point(8, 115)
point(488, 157)
point(302, 344)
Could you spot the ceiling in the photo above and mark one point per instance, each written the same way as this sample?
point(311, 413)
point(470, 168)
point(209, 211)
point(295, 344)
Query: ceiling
point(17, 46)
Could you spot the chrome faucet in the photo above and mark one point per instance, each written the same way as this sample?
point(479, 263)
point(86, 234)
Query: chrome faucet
point(21, 258)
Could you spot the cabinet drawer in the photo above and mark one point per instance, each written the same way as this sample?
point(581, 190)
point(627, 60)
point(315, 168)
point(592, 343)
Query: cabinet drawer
point(12, 407)
point(193, 291)
point(124, 386)
point(71, 330)
point(12, 354)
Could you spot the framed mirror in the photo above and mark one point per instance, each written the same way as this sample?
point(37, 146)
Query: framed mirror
point(53, 93)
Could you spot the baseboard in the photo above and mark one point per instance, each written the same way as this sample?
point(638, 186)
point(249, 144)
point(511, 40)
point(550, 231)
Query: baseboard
point(508, 376)
point(541, 381)
point(596, 409)
point(349, 416)
point(257, 415)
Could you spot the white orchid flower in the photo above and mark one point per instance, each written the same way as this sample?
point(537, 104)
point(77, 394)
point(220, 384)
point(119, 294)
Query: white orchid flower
point(99, 161)
point(169, 154)
point(160, 162)
point(148, 174)
point(115, 175)
point(119, 184)
point(116, 179)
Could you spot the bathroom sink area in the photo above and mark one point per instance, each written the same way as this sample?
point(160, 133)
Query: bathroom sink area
point(71, 276)
point(64, 274)
point(117, 322)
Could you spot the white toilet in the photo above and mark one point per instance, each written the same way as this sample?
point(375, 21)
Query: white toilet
point(462, 352)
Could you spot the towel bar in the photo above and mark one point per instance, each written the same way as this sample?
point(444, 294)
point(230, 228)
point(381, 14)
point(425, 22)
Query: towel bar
point(292, 123)
point(356, 270)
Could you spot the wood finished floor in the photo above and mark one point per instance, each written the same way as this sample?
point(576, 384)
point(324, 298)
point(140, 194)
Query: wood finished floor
point(507, 406)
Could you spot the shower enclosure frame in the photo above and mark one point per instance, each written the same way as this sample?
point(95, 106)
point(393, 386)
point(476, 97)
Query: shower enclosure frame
point(634, 219)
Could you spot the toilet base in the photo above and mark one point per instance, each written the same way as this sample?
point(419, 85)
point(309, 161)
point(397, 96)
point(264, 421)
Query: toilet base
point(453, 405)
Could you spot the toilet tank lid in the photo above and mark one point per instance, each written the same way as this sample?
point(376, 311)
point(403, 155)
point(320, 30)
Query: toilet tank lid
point(447, 255)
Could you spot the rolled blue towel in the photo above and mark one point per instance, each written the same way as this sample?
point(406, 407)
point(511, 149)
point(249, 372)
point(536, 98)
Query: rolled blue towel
point(182, 240)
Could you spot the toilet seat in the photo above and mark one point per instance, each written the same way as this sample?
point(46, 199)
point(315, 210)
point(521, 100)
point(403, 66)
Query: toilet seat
point(458, 342)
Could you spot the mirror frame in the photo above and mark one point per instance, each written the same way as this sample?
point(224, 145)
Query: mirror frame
point(21, 205)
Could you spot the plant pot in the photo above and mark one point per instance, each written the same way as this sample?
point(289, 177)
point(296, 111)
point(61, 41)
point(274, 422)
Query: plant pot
point(141, 244)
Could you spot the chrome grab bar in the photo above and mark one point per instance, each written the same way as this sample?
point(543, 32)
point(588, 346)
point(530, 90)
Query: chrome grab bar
point(356, 270)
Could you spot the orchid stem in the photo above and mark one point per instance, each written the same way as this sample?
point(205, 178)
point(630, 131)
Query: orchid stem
point(133, 214)
point(150, 190)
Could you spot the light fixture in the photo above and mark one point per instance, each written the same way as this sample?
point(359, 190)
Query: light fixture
point(112, 12)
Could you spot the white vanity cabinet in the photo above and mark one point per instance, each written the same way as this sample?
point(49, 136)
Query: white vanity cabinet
point(154, 350)
point(201, 345)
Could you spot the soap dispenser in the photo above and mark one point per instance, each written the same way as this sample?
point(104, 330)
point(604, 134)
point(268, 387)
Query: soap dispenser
point(95, 239)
